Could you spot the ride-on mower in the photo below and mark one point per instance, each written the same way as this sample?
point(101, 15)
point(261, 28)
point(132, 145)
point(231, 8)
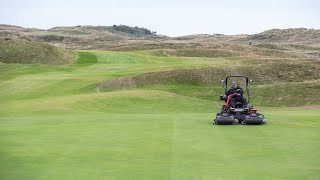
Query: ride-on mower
point(239, 111)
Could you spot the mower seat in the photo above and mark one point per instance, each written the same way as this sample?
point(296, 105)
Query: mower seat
point(238, 105)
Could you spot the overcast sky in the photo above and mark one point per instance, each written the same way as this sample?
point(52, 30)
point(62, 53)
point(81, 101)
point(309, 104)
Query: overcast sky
point(167, 17)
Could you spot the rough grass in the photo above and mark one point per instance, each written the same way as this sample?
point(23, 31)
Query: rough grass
point(28, 52)
point(287, 76)
point(214, 50)
point(267, 73)
point(203, 53)
point(272, 95)
point(264, 73)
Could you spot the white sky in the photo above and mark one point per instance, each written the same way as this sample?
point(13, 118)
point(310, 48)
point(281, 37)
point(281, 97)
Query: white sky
point(173, 18)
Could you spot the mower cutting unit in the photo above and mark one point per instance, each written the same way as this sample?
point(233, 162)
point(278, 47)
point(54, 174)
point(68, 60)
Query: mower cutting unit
point(240, 112)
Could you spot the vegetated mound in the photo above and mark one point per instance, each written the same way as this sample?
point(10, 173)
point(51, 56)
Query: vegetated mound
point(287, 94)
point(28, 52)
point(226, 51)
point(196, 52)
point(122, 37)
point(260, 74)
point(294, 35)
point(82, 30)
point(83, 37)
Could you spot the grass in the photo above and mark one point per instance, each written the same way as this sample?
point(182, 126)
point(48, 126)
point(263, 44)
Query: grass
point(55, 123)
point(86, 58)
point(158, 146)
point(29, 52)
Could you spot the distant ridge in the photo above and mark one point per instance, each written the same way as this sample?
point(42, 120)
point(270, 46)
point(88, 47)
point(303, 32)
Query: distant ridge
point(292, 35)
point(119, 36)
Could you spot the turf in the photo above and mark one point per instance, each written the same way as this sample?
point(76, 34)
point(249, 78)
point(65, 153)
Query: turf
point(158, 146)
point(55, 124)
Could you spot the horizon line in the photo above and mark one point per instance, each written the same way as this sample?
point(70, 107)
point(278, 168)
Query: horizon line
point(83, 25)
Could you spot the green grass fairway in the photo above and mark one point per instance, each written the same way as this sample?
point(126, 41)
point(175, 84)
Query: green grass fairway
point(159, 146)
point(55, 124)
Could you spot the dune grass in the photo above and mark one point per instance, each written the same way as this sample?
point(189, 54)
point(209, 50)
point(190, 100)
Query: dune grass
point(55, 124)
point(29, 52)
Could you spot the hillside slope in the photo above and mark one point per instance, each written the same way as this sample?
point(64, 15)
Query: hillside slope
point(28, 52)
point(276, 82)
point(296, 35)
point(111, 37)
point(82, 37)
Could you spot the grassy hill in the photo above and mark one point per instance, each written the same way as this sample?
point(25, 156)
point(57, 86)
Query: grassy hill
point(296, 78)
point(295, 35)
point(122, 36)
point(145, 110)
point(28, 52)
point(83, 37)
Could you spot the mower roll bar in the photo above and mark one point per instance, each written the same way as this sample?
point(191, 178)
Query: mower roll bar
point(248, 81)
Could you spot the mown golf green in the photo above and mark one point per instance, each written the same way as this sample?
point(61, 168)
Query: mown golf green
point(57, 122)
